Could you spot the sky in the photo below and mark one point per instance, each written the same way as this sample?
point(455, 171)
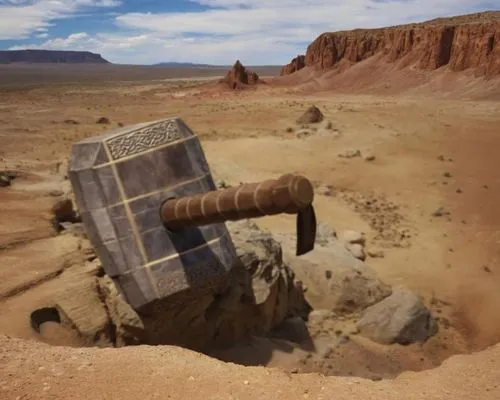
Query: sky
point(257, 32)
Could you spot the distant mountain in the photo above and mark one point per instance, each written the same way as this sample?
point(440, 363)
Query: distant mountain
point(188, 65)
point(50, 56)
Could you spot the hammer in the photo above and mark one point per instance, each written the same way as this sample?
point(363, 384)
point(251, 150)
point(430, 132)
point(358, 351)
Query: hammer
point(153, 214)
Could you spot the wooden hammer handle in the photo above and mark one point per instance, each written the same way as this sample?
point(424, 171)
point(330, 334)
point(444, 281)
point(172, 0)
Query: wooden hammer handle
point(288, 194)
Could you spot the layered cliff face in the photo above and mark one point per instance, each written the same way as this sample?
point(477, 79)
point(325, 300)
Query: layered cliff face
point(296, 64)
point(50, 56)
point(459, 43)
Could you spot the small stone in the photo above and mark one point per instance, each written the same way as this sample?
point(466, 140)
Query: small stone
point(459, 190)
point(369, 157)
point(447, 175)
point(486, 268)
point(246, 382)
point(324, 190)
point(328, 274)
point(71, 122)
point(303, 133)
point(103, 121)
point(376, 253)
point(4, 180)
point(350, 153)
point(357, 251)
point(56, 193)
point(221, 184)
point(354, 237)
point(440, 212)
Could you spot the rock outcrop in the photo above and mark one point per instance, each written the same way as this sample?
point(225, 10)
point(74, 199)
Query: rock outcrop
point(239, 77)
point(295, 65)
point(311, 116)
point(460, 43)
point(50, 56)
point(260, 294)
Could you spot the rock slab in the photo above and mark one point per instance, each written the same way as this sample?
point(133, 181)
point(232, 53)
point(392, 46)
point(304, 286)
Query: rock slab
point(400, 318)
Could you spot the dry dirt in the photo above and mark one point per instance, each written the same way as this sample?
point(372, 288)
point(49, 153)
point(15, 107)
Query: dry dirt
point(430, 153)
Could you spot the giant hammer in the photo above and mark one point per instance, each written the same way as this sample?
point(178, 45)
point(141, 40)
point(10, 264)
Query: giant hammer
point(153, 214)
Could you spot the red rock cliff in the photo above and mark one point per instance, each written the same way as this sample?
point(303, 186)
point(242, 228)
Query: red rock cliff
point(296, 64)
point(471, 41)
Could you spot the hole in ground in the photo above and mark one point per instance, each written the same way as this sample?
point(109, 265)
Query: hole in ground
point(43, 315)
point(46, 322)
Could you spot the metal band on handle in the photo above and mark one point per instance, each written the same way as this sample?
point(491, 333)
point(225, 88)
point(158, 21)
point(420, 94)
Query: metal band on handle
point(289, 194)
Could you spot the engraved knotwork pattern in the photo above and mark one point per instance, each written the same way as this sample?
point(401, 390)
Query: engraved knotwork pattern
point(142, 140)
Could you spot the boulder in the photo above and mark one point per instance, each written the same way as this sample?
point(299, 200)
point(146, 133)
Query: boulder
point(312, 115)
point(334, 278)
point(400, 318)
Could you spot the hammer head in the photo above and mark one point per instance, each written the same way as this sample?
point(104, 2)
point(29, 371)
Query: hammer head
point(120, 180)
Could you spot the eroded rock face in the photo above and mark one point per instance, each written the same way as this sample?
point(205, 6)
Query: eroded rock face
point(238, 77)
point(261, 293)
point(471, 41)
point(295, 65)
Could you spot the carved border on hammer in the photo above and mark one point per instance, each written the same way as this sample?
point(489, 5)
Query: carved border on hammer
point(139, 141)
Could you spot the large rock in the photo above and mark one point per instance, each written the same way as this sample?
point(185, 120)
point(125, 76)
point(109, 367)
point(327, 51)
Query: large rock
point(400, 318)
point(239, 77)
point(261, 292)
point(334, 278)
point(312, 115)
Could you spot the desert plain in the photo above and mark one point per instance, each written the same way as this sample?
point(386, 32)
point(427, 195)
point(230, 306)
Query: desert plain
point(414, 167)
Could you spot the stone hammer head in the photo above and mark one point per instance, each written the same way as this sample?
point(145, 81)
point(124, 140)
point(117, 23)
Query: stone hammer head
point(120, 179)
point(152, 212)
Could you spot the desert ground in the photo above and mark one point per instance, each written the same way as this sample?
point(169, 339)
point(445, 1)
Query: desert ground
point(429, 162)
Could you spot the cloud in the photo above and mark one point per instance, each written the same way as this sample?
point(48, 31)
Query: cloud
point(257, 32)
point(20, 18)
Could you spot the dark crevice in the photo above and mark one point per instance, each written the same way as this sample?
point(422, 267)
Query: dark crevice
point(445, 47)
point(111, 328)
point(43, 315)
point(491, 44)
